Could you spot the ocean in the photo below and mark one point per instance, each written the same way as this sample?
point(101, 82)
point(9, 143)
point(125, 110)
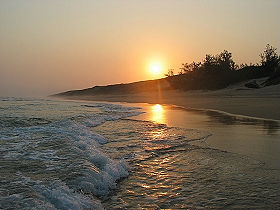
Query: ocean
point(80, 155)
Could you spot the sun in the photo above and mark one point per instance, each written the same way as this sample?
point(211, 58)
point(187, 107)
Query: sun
point(156, 68)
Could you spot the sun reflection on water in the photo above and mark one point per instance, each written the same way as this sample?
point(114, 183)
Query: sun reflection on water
point(158, 114)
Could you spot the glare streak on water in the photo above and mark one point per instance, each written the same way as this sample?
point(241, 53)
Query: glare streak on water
point(87, 155)
point(168, 172)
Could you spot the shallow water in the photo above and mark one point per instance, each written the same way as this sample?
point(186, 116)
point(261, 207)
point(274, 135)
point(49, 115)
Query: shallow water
point(169, 172)
point(253, 137)
point(89, 155)
point(49, 157)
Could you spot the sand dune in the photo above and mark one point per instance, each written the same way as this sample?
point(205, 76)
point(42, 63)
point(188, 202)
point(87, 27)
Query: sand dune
point(236, 99)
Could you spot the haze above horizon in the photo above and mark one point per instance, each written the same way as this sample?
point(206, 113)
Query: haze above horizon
point(53, 46)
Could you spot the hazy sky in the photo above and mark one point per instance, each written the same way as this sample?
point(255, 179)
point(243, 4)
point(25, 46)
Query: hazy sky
point(57, 45)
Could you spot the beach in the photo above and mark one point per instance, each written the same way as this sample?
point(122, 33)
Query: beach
point(248, 136)
point(139, 105)
point(59, 154)
point(259, 103)
point(242, 120)
point(225, 153)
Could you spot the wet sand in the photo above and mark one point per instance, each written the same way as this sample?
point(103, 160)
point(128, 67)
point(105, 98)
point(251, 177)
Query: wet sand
point(254, 138)
point(181, 168)
point(223, 113)
point(260, 103)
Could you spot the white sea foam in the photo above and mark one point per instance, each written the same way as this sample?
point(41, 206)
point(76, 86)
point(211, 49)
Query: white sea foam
point(60, 196)
point(69, 152)
point(51, 196)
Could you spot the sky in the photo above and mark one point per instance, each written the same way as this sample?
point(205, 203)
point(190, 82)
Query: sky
point(57, 45)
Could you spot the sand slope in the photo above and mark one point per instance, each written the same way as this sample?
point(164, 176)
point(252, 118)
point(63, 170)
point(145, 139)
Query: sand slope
point(236, 99)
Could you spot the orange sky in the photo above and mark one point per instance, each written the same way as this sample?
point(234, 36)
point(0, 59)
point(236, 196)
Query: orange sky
point(53, 46)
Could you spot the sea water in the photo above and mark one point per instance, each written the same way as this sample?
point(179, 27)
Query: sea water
point(89, 155)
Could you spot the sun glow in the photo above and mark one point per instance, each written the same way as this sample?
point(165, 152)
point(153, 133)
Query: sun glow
point(158, 114)
point(156, 69)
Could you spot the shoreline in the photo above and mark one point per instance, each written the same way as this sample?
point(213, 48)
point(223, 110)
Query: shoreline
point(230, 133)
point(234, 133)
point(227, 113)
point(262, 104)
point(256, 116)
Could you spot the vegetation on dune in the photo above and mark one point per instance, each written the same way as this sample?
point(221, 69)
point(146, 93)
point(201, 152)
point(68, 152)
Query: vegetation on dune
point(219, 71)
point(214, 72)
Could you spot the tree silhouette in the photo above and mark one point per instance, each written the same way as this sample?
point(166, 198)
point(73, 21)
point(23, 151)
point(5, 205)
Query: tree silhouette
point(170, 73)
point(210, 63)
point(194, 66)
point(269, 58)
point(225, 61)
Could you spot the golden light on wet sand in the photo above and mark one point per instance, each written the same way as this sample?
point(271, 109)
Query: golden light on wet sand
point(158, 114)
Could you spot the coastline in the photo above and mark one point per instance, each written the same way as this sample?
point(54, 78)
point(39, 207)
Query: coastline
point(229, 133)
point(241, 120)
point(255, 103)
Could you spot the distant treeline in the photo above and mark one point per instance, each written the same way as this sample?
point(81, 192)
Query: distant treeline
point(214, 72)
point(219, 71)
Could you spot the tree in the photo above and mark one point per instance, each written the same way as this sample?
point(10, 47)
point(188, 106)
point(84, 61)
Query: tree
point(170, 73)
point(210, 63)
point(220, 62)
point(190, 67)
point(225, 62)
point(269, 58)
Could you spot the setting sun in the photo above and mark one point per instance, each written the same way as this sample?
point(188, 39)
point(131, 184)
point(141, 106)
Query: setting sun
point(177, 98)
point(156, 69)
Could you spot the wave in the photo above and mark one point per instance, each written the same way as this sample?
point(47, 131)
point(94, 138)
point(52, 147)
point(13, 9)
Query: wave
point(67, 152)
point(59, 160)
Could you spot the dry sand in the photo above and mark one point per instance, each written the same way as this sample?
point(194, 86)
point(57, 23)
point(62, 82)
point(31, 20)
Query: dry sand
point(231, 134)
point(260, 103)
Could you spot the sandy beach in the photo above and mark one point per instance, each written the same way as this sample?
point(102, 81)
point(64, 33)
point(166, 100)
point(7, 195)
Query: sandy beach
point(131, 155)
point(223, 113)
point(259, 103)
point(139, 105)
point(230, 133)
